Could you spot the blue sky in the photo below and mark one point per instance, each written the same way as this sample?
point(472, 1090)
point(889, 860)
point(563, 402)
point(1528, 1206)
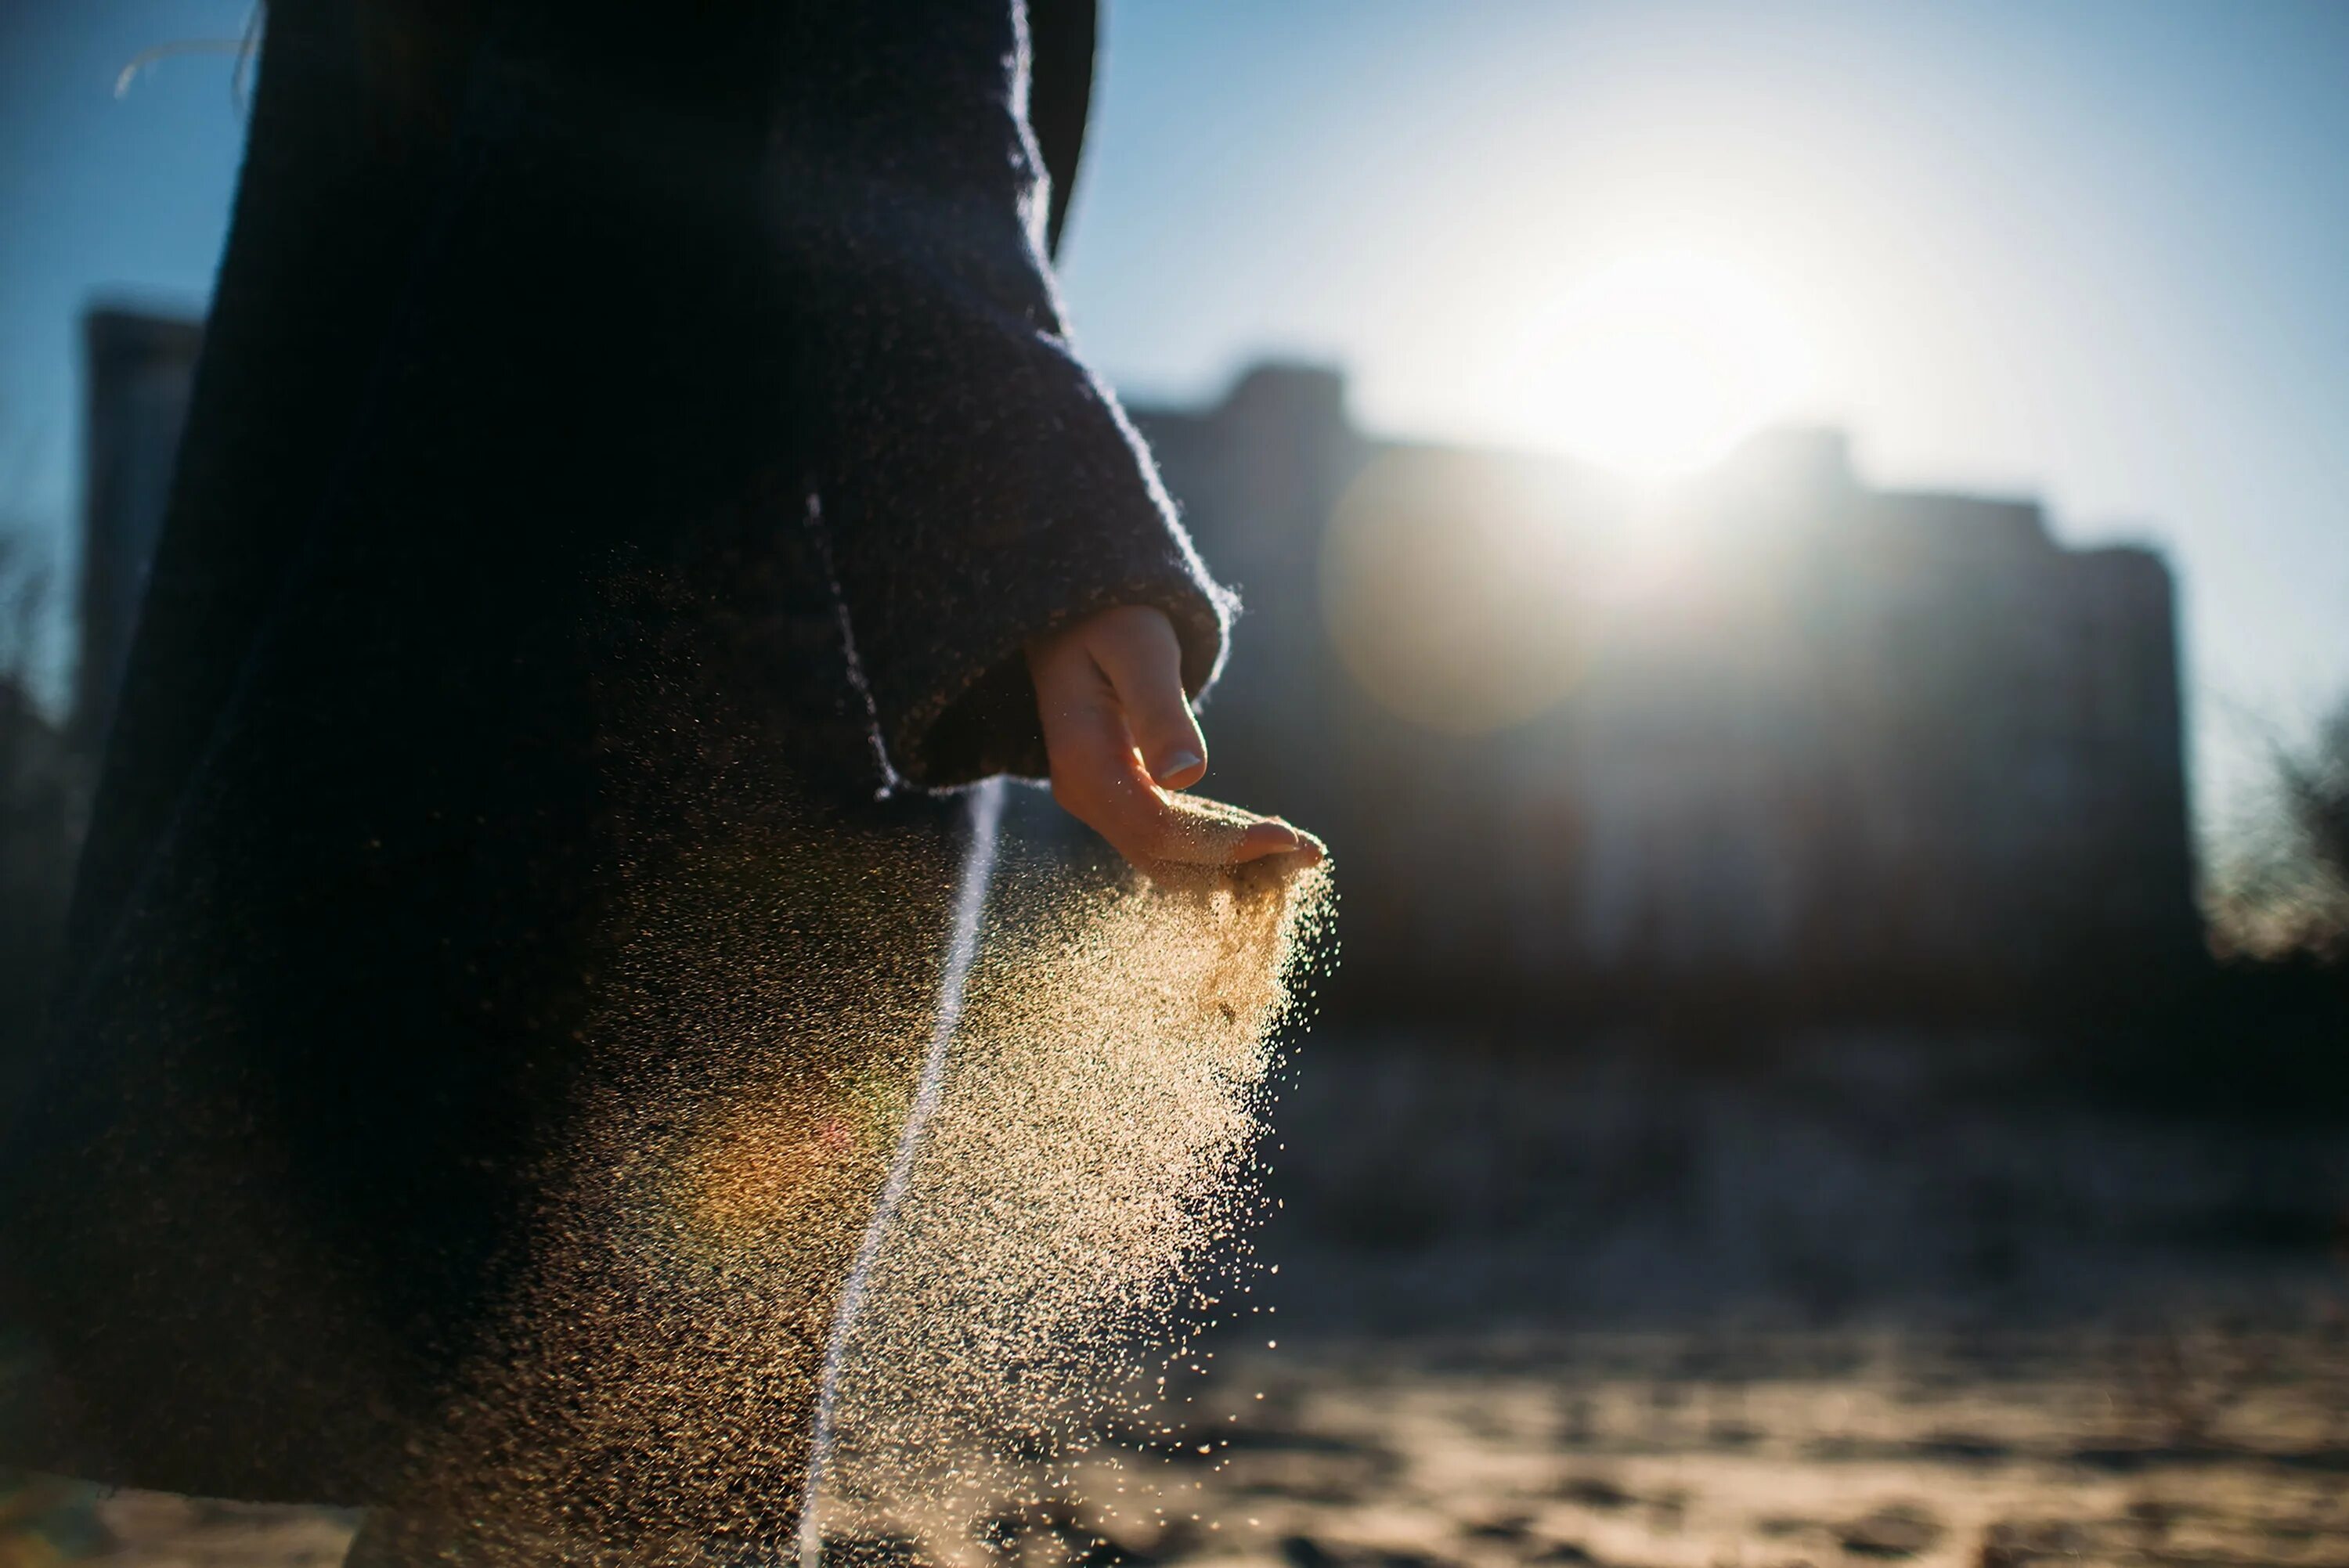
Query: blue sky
point(2091, 251)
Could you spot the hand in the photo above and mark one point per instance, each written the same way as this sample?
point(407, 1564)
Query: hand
point(1121, 739)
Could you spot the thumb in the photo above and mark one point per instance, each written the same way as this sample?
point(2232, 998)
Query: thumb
point(1135, 648)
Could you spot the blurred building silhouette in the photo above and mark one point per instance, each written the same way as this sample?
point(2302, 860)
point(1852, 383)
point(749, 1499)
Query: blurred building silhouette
point(1781, 733)
point(139, 370)
point(44, 788)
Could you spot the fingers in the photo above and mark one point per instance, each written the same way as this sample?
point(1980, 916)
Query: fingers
point(1135, 648)
point(1150, 826)
point(1097, 776)
point(1271, 836)
point(1120, 734)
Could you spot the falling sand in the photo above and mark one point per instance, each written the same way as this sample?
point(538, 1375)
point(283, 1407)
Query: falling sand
point(1077, 1205)
point(842, 1277)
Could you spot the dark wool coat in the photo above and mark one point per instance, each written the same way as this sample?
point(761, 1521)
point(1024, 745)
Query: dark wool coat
point(628, 438)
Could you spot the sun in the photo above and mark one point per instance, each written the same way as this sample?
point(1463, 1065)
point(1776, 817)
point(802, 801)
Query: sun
point(1658, 363)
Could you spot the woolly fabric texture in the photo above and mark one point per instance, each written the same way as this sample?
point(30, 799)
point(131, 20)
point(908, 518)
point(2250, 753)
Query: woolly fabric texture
point(491, 660)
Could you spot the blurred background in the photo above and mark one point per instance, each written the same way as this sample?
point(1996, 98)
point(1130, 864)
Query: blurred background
point(1797, 555)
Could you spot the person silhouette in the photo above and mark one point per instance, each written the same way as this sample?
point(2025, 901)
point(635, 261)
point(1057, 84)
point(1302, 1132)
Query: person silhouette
point(637, 475)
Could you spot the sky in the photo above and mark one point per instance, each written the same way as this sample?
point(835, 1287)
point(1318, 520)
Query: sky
point(2089, 250)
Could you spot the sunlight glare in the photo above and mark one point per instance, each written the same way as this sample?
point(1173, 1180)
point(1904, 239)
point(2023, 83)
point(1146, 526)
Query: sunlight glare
point(1657, 365)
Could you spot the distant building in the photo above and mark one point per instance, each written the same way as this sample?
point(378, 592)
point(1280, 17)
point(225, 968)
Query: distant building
point(1785, 731)
point(139, 372)
point(44, 788)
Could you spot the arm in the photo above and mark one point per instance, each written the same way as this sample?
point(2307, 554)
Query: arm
point(982, 490)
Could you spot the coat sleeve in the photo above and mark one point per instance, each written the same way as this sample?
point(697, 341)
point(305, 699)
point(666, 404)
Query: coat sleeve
point(979, 485)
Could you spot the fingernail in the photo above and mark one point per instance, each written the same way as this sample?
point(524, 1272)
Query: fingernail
point(1177, 762)
point(1300, 840)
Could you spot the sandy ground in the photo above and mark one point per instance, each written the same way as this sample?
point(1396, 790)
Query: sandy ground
point(2210, 1448)
point(2214, 1448)
point(46, 1520)
point(1880, 1322)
